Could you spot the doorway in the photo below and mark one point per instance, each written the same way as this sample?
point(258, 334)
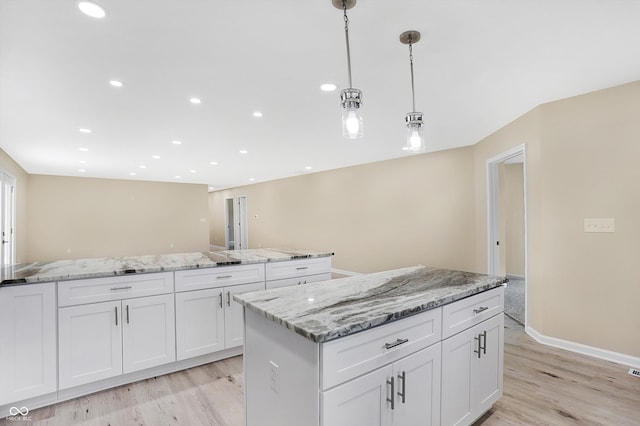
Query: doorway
point(8, 220)
point(507, 233)
point(236, 227)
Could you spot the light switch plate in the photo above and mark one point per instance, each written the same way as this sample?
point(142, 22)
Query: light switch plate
point(600, 225)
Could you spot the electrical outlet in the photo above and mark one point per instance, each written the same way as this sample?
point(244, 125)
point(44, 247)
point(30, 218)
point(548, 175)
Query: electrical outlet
point(600, 225)
point(274, 374)
point(634, 372)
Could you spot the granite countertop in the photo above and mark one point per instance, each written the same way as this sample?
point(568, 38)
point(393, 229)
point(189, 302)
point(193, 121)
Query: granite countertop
point(332, 309)
point(62, 270)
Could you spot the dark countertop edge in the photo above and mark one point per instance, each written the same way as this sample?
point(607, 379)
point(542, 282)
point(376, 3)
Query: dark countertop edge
point(373, 323)
point(11, 282)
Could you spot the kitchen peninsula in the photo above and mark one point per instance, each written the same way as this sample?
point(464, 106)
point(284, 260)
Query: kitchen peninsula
point(73, 327)
point(402, 347)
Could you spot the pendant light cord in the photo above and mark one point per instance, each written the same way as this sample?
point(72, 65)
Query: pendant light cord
point(346, 35)
point(413, 93)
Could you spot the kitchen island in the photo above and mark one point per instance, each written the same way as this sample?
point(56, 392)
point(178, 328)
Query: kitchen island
point(413, 346)
point(73, 327)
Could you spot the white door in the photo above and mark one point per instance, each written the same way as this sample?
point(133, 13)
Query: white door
point(7, 222)
point(199, 322)
point(241, 234)
point(457, 360)
point(360, 402)
point(488, 386)
point(90, 343)
point(148, 332)
point(28, 366)
point(418, 388)
point(233, 314)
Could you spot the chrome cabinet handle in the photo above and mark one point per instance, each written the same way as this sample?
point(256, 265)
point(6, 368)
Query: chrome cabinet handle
point(482, 348)
point(222, 277)
point(402, 377)
point(478, 350)
point(396, 343)
point(480, 309)
point(116, 315)
point(127, 314)
point(220, 296)
point(120, 288)
point(391, 400)
point(484, 345)
point(229, 298)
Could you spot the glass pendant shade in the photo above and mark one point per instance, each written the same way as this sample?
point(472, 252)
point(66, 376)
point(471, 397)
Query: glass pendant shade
point(352, 124)
point(415, 136)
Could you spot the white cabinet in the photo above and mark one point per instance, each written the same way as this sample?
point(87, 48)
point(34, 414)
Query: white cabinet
point(104, 339)
point(207, 318)
point(27, 341)
point(472, 367)
point(297, 272)
point(404, 393)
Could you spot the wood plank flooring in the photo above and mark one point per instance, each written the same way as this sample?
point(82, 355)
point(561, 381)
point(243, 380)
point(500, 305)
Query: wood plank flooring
point(542, 386)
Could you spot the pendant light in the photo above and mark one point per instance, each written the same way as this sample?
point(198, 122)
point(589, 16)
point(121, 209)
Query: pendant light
point(414, 120)
point(350, 98)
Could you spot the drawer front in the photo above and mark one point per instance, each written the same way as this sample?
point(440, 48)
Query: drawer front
point(200, 279)
point(351, 356)
point(93, 290)
point(299, 281)
point(465, 313)
point(297, 268)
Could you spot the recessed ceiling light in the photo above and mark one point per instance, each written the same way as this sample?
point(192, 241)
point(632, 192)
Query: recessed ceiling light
point(83, 149)
point(91, 9)
point(328, 87)
point(155, 157)
point(81, 170)
point(405, 148)
point(115, 83)
point(257, 114)
point(84, 130)
point(82, 162)
point(142, 166)
point(192, 171)
point(244, 151)
point(132, 173)
point(308, 168)
point(176, 142)
point(251, 179)
point(214, 163)
point(211, 188)
point(177, 177)
point(195, 101)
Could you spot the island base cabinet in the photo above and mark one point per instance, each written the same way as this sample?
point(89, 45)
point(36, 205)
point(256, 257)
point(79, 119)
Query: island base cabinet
point(472, 367)
point(405, 393)
point(27, 342)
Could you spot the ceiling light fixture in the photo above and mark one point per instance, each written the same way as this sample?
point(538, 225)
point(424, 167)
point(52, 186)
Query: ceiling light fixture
point(328, 87)
point(83, 149)
point(84, 130)
point(115, 83)
point(176, 142)
point(257, 114)
point(155, 157)
point(195, 101)
point(244, 151)
point(214, 163)
point(414, 120)
point(350, 98)
point(91, 9)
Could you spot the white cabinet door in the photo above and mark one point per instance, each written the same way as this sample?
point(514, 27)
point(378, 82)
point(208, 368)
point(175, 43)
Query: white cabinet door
point(90, 343)
point(27, 341)
point(417, 399)
point(148, 332)
point(472, 371)
point(199, 322)
point(233, 315)
point(359, 402)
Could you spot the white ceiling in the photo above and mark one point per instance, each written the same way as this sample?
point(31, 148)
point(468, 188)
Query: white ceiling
point(479, 65)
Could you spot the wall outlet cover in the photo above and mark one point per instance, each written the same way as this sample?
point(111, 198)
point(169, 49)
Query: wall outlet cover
point(634, 372)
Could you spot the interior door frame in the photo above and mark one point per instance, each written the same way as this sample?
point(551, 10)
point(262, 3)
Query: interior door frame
point(9, 233)
point(241, 231)
point(227, 225)
point(493, 208)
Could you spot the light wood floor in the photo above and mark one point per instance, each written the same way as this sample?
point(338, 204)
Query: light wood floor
point(542, 386)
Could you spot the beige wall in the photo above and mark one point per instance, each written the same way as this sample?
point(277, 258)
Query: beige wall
point(71, 218)
point(390, 214)
point(582, 161)
point(512, 178)
point(22, 189)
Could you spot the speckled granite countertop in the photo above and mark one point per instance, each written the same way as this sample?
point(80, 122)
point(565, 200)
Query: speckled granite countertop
point(328, 310)
point(62, 270)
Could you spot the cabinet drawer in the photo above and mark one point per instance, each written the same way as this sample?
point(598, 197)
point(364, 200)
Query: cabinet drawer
point(200, 279)
point(465, 313)
point(93, 290)
point(297, 268)
point(299, 281)
point(351, 356)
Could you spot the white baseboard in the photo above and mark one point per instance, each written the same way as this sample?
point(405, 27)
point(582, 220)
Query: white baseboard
point(604, 354)
point(343, 272)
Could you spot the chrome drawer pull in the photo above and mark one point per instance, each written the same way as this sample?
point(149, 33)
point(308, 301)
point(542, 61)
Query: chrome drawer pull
point(402, 377)
point(302, 267)
point(391, 400)
point(480, 309)
point(222, 277)
point(396, 343)
point(120, 288)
